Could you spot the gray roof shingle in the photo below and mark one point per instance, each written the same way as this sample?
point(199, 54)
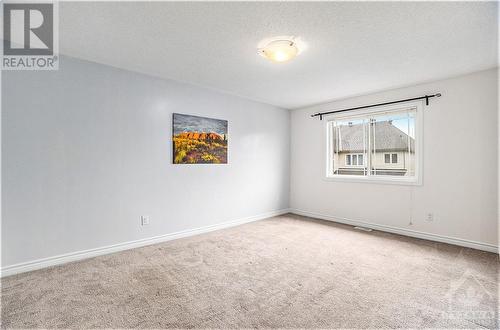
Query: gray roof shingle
point(385, 136)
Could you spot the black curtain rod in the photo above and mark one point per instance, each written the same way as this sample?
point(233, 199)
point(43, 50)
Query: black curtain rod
point(426, 97)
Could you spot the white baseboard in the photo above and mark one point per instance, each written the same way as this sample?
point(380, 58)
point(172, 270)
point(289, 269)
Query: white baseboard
point(79, 255)
point(401, 231)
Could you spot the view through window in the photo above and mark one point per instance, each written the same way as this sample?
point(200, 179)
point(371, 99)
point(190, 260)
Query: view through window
point(374, 145)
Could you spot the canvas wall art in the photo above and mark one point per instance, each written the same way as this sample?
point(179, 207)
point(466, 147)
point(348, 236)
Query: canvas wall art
point(199, 140)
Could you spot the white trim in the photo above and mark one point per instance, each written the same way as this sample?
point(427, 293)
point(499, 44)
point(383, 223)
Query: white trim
point(374, 179)
point(378, 110)
point(401, 231)
point(79, 255)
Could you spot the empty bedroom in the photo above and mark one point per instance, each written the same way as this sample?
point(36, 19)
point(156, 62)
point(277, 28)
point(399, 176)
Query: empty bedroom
point(235, 165)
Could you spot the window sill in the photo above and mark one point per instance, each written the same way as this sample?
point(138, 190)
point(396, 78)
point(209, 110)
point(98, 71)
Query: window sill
point(377, 180)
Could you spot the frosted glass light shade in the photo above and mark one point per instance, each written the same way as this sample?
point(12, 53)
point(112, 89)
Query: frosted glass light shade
point(280, 50)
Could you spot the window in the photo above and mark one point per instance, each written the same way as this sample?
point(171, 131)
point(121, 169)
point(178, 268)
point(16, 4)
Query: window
point(390, 158)
point(354, 160)
point(394, 158)
point(377, 145)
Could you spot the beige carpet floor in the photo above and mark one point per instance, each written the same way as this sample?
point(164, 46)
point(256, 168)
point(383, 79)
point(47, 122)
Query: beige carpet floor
point(283, 272)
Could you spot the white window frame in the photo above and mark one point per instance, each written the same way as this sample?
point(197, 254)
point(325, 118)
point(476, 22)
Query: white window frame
point(391, 157)
point(419, 119)
point(357, 154)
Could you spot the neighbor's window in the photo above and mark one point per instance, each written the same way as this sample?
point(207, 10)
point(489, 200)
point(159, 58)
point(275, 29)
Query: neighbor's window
point(390, 158)
point(376, 145)
point(354, 160)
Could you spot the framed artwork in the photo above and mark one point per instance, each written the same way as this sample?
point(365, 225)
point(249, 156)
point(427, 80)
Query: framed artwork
point(199, 140)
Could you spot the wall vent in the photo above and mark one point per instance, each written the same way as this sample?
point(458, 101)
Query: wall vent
point(363, 228)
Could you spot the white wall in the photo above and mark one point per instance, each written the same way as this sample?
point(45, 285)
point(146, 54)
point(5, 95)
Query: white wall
point(498, 164)
point(458, 127)
point(87, 150)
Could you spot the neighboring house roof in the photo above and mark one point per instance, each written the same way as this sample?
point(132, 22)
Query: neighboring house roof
point(385, 136)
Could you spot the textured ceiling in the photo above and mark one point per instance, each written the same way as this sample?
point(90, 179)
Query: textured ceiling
point(353, 48)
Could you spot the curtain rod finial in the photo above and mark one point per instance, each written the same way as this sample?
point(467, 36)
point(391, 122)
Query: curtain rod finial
point(438, 94)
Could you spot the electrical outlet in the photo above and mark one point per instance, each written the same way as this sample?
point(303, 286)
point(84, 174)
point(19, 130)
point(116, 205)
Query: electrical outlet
point(144, 220)
point(430, 217)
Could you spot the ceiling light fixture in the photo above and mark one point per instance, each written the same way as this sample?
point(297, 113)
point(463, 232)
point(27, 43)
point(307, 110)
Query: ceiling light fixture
point(280, 49)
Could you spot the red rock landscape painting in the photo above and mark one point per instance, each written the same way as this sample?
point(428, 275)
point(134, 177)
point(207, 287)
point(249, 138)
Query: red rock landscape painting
point(199, 140)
